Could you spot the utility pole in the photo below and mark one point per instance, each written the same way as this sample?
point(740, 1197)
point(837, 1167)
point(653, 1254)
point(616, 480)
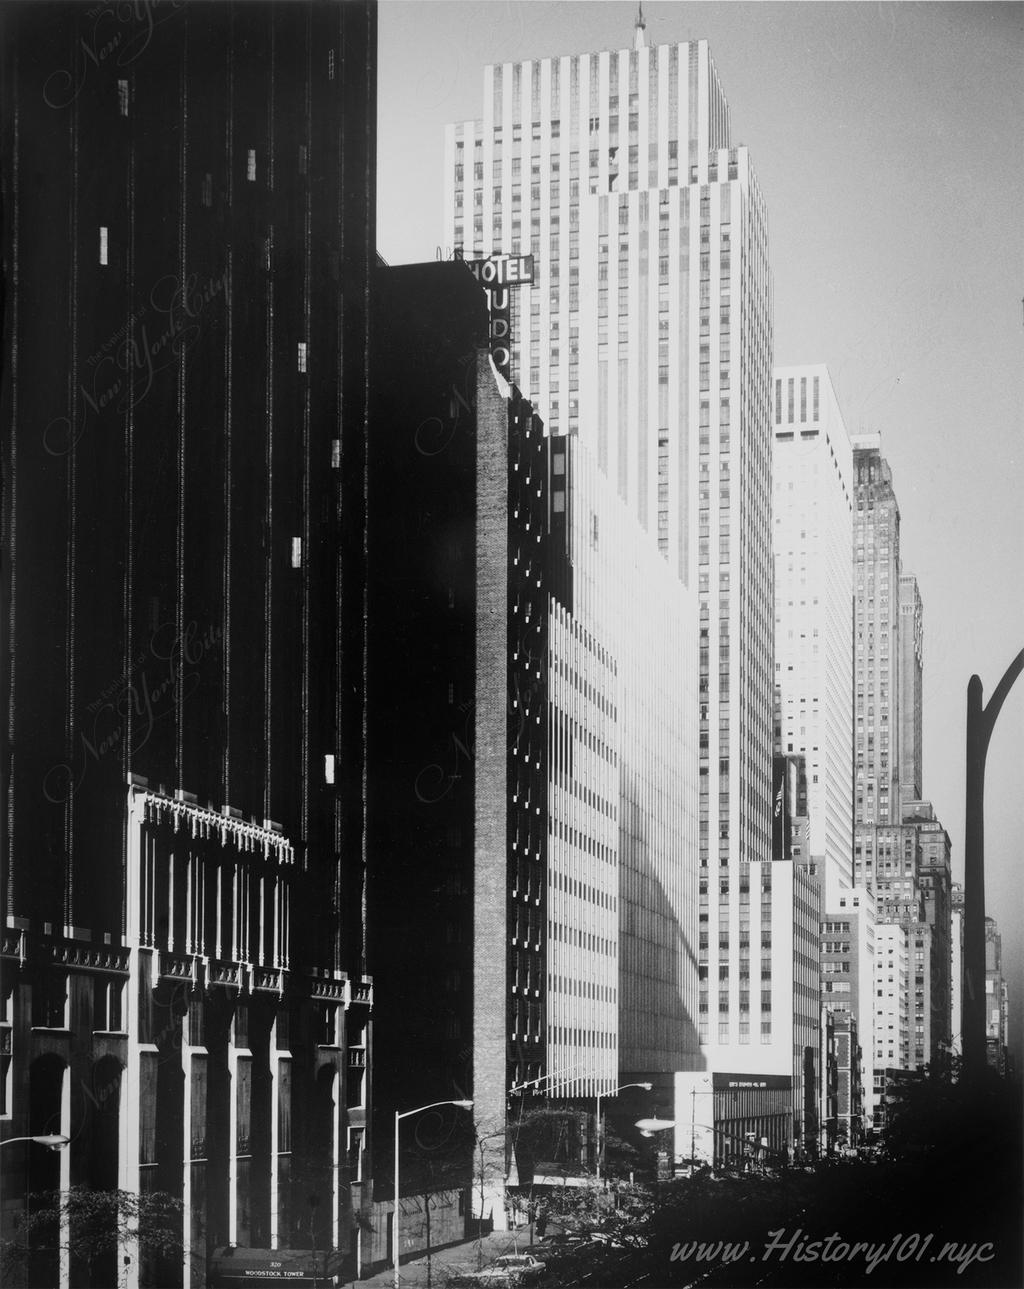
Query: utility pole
point(980, 722)
point(693, 1127)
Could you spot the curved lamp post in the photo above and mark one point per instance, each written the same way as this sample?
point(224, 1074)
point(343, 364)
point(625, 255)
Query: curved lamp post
point(980, 721)
point(600, 1125)
point(399, 1116)
point(51, 1140)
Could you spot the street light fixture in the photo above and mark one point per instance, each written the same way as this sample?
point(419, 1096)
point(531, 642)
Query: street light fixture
point(399, 1115)
point(51, 1140)
point(600, 1126)
point(981, 718)
point(648, 1127)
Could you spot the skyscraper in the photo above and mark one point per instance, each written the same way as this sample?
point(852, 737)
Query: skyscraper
point(647, 334)
point(184, 431)
point(901, 849)
point(813, 492)
point(813, 521)
point(876, 554)
point(911, 696)
point(629, 609)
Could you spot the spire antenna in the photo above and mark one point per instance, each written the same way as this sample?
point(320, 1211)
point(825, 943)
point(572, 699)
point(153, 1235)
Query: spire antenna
point(639, 39)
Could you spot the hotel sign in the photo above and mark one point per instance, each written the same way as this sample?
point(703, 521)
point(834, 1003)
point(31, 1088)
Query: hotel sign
point(496, 274)
point(500, 270)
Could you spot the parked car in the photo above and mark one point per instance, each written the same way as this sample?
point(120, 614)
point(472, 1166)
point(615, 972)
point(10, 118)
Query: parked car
point(507, 1272)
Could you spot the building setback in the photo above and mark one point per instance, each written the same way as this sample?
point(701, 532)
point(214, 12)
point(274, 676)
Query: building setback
point(184, 407)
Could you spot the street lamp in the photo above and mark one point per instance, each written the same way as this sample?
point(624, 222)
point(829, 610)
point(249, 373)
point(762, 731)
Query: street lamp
point(648, 1127)
point(400, 1115)
point(600, 1126)
point(980, 720)
point(51, 1140)
point(693, 1117)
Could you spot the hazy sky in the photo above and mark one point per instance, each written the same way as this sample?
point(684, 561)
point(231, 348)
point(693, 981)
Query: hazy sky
point(888, 142)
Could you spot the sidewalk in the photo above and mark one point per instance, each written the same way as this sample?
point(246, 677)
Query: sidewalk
point(443, 1262)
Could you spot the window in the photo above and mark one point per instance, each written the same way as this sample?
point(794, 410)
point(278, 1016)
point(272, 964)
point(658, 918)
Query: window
point(250, 166)
point(122, 97)
point(49, 1002)
point(106, 1009)
point(296, 552)
point(302, 355)
point(103, 245)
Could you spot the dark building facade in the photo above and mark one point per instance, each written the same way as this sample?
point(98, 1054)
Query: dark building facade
point(188, 243)
point(465, 553)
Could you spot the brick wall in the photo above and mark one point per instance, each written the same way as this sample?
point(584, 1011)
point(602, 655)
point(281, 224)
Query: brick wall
point(491, 752)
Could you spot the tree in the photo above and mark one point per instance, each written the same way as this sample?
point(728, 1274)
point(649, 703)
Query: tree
point(93, 1226)
point(621, 1158)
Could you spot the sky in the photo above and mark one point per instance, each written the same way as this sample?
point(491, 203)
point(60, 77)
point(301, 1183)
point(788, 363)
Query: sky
point(888, 142)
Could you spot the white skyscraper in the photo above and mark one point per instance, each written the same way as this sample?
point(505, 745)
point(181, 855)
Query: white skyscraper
point(623, 818)
point(647, 333)
point(813, 516)
point(892, 1012)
